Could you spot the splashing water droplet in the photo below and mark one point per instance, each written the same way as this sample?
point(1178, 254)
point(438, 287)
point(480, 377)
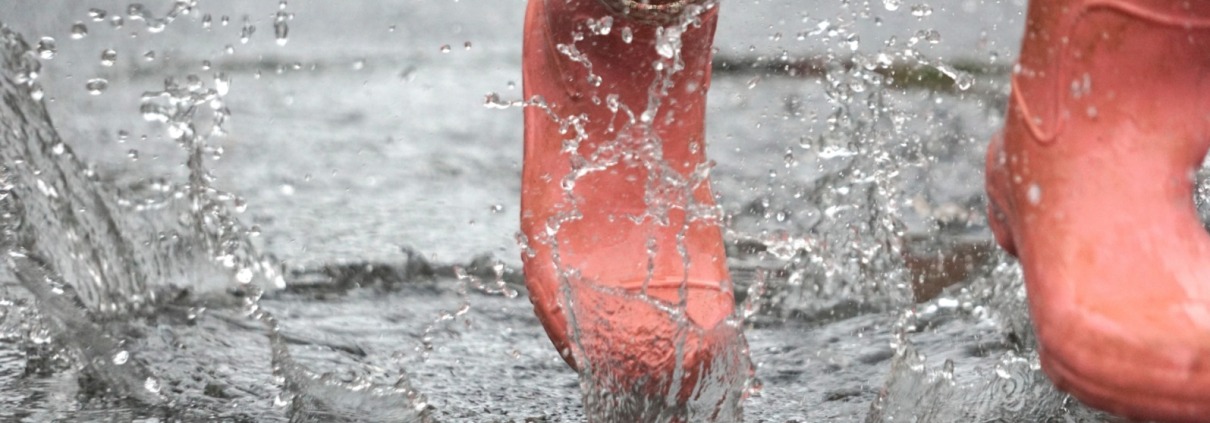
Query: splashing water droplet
point(601, 27)
point(281, 27)
point(962, 80)
point(96, 86)
point(136, 11)
point(246, 32)
point(152, 385)
point(222, 84)
point(79, 31)
point(932, 36)
point(853, 42)
point(493, 101)
point(46, 48)
point(156, 26)
point(668, 42)
point(97, 15)
point(108, 57)
point(244, 275)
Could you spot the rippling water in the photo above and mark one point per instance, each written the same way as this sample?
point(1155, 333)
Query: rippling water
point(136, 286)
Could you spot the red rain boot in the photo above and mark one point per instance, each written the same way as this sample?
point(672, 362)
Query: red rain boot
point(1091, 187)
point(624, 258)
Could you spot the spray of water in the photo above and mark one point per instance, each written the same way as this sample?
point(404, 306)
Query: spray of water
point(96, 258)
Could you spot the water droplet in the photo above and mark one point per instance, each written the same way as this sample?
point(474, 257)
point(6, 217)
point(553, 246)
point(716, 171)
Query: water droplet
point(121, 357)
point(932, 36)
point(497, 208)
point(493, 101)
point(947, 370)
point(35, 92)
point(647, 116)
point(133, 154)
point(108, 57)
point(46, 48)
point(964, 81)
point(156, 26)
point(136, 11)
point(627, 35)
point(1034, 194)
point(466, 45)
point(79, 31)
point(246, 32)
point(97, 15)
point(853, 42)
point(287, 189)
point(281, 29)
point(244, 275)
point(668, 43)
point(1002, 372)
point(152, 385)
point(445, 48)
point(921, 10)
point(96, 86)
point(601, 27)
point(207, 21)
point(117, 22)
point(222, 84)
point(891, 5)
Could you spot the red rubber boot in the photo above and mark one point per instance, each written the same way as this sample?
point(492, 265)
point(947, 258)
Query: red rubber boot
point(1091, 187)
point(624, 258)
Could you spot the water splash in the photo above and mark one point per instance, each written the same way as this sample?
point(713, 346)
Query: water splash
point(281, 26)
point(97, 258)
point(966, 388)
